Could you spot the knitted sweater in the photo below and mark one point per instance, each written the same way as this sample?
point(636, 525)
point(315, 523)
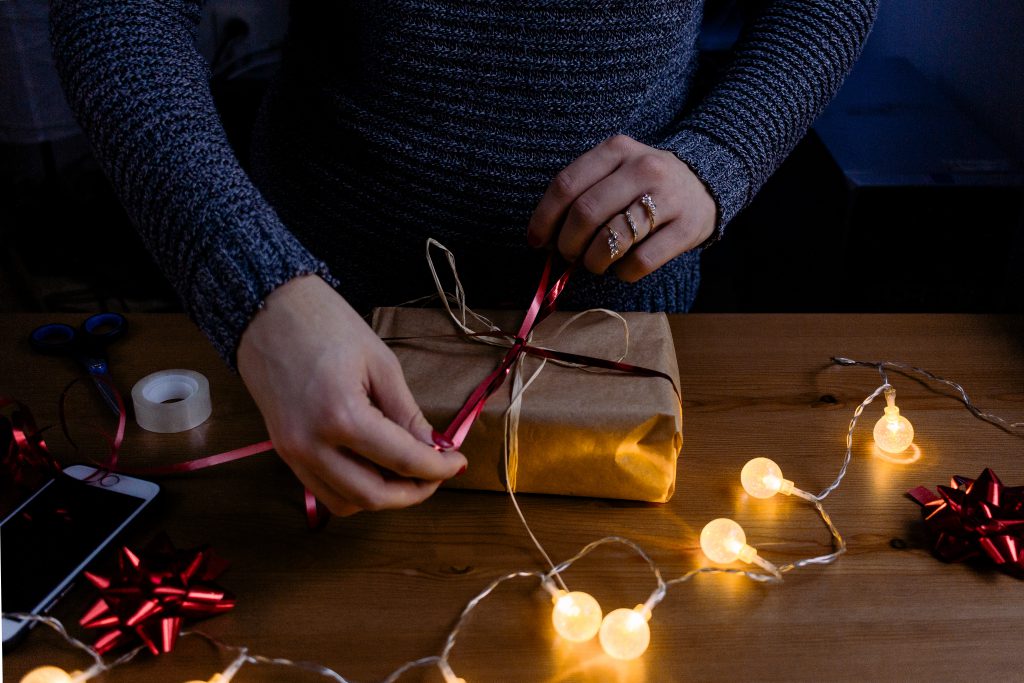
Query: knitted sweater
point(395, 121)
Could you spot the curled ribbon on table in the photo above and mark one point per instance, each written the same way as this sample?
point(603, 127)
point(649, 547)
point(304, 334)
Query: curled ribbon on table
point(26, 458)
point(152, 592)
point(116, 440)
point(976, 518)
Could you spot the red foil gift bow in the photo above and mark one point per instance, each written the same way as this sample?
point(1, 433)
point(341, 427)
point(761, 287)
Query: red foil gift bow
point(152, 592)
point(976, 518)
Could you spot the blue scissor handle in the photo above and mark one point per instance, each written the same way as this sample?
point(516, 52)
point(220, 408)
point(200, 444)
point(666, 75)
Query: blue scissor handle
point(54, 338)
point(104, 328)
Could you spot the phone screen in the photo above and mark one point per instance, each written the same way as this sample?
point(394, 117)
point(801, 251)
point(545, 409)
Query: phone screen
point(45, 541)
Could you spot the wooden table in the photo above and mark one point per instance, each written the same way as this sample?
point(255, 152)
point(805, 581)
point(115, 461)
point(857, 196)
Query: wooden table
point(370, 592)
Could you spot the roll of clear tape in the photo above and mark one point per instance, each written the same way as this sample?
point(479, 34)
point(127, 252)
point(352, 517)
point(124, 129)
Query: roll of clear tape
point(171, 401)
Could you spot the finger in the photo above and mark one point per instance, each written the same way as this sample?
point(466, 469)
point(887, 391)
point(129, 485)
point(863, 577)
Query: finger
point(363, 428)
point(573, 181)
point(390, 392)
point(364, 485)
point(668, 241)
point(596, 207)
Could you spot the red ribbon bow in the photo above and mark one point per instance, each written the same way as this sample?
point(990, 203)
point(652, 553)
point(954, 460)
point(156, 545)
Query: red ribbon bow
point(976, 518)
point(152, 592)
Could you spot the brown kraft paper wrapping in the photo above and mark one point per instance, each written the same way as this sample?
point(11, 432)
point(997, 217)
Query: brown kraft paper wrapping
point(581, 432)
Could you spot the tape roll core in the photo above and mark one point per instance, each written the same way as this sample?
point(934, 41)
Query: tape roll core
point(171, 401)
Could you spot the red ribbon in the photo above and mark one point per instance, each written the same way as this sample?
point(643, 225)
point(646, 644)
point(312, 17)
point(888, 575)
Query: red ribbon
point(976, 518)
point(152, 592)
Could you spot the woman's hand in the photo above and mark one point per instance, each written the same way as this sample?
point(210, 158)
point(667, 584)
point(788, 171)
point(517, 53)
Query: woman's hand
point(583, 209)
point(336, 404)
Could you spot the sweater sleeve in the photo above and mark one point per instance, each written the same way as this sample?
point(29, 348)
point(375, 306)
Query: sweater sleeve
point(787, 65)
point(140, 90)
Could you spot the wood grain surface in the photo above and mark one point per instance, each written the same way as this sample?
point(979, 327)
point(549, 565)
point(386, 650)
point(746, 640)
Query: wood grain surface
point(372, 591)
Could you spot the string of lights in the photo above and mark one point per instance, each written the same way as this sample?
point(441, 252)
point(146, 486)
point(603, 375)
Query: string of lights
point(623, 633)
point(1011, 427)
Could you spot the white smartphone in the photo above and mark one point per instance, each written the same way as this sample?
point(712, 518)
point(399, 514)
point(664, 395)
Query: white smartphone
point(56, 533)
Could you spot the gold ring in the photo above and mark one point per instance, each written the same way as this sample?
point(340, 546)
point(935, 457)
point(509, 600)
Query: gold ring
point(613, 242)
point(632, 224)
point(652, 211)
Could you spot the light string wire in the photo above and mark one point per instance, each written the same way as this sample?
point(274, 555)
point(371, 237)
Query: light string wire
point(775, 574)
point(99, 666)
point(910, 370)
point(849, 441)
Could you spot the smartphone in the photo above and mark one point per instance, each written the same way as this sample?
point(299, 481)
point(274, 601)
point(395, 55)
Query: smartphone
point(56, 533)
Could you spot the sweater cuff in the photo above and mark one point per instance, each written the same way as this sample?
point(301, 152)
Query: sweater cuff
point(721, 171)
point(231, 281)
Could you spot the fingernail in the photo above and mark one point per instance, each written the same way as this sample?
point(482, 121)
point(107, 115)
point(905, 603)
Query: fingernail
point(532, 240)
point(461, 470)
point(441, 440)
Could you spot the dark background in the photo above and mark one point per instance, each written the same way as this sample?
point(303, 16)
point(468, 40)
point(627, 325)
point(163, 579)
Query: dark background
point(906, 196)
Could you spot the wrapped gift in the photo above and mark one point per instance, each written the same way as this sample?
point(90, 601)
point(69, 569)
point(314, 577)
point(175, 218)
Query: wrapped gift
point(581, 431)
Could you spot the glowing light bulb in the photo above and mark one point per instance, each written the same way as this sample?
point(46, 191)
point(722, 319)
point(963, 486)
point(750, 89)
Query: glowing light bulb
point(576, 616)
point(893, 433)
point(50, 674)
point(723, 541)
point(216, 678)
point(762, 478)
point(625, 634)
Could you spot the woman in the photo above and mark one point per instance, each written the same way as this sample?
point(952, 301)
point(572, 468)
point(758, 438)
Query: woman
point(500, 128)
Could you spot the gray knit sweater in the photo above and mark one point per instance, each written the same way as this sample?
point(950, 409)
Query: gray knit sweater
point(395, 121)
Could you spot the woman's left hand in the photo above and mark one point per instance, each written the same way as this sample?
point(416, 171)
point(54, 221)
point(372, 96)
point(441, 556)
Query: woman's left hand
point(584, 208)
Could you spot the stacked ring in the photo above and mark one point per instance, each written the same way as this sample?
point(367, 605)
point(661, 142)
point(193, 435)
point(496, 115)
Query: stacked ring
point(652, 211)
point(613, 242)
point(632, 224)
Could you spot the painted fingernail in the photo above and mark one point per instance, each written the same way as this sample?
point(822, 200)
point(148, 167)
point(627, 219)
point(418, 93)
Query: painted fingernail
point(441, 440)
point(461, 470)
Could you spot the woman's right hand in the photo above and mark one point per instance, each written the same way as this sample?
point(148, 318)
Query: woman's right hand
point(336, 404)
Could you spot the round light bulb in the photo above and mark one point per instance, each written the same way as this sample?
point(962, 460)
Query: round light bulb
point(893, 432)
point(723, 541)
point(625, 634)
point(762, 478)
point(576, 616)
point(49, 674)
point(216, 678)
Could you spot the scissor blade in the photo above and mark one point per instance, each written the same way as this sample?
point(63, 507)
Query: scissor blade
point(107, 392)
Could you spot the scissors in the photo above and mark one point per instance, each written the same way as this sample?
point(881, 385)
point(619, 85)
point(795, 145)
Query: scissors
point(87, 346)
